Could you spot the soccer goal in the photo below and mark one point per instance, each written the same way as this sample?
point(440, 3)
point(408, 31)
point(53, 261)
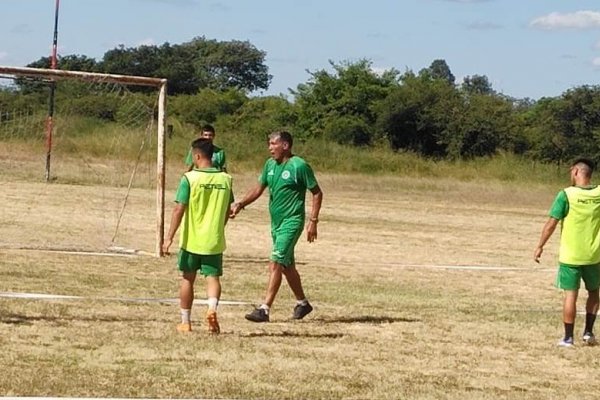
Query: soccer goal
point(82, 161)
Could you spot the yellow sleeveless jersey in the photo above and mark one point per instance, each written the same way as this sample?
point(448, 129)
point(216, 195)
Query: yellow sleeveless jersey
point(580, 236)
point(203, 225)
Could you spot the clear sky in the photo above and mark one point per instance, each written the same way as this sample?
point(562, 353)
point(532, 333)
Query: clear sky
point(527, 48)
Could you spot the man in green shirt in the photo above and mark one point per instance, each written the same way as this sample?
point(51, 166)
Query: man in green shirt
point(203, 201)
point(218, 157)
point(578, 207)
point(288, 177)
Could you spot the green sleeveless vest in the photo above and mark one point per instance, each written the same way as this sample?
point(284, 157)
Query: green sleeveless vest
point(204, 220)
point(580, 236)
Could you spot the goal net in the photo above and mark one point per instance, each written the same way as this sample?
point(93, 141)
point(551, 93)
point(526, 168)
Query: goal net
point(81, 161)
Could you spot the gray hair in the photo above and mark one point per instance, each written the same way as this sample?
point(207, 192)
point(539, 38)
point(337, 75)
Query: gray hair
point(284, 136)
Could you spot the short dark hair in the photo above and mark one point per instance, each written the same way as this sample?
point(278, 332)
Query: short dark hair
point(208, 128)
point(586, 161)
point(284, 136)
point(203, 146)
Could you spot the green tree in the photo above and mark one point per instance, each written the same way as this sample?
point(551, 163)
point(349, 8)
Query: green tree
point(194, 65)
point(566, 127)
point(231, 64)
point(345, 98)
point(438, 69)
point(477, 84)
point(416, 114)
point(484, 125)
point(147, 60)
point(71, 62)
point(259, 116)
point(206, 106)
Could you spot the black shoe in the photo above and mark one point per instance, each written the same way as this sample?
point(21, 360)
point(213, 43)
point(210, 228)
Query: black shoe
point(258, 315)
point(589, 339)
point(301, 311)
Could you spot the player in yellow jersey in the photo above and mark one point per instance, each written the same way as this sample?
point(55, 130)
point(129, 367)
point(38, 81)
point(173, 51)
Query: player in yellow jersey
point(578, 208)
point(203, 200)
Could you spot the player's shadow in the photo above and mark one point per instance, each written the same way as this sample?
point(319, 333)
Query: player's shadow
point(286, 334)
point(364, 319)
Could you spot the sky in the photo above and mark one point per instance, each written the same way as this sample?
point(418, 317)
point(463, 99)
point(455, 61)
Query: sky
point(526, 48)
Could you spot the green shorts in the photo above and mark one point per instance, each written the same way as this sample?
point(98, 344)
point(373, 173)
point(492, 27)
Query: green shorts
point(285, 237)
point(207, 264)
point(569, 278)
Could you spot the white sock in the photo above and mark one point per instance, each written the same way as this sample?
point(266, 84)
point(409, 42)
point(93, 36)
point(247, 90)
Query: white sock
point(266, 308)
point(213, 303)
point(302, 302)
point(185, 316)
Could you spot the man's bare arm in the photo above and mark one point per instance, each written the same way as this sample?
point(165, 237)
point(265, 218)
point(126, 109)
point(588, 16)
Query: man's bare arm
point(547, 231)
point(176, 218)
point(317, 200)
point(249, 198)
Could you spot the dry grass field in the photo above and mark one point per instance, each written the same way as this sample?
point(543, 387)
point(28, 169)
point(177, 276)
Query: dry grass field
point(394, 317)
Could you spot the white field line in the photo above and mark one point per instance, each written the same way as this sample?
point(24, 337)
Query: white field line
point(42, 296)
point(110, 252)
point(116, 251)
point(490, 268)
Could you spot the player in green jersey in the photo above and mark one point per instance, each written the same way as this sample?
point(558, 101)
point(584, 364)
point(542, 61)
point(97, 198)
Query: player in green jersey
point(203, 201)
point(578, 207)
point(218, 157)
point(288, 177)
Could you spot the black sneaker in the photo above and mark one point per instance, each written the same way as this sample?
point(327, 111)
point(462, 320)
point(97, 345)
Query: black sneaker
point(258, 315)
point(301, 311)
point(589, 339)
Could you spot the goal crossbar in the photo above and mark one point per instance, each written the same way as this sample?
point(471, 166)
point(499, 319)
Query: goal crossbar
point(81, 75)
point(160, 83)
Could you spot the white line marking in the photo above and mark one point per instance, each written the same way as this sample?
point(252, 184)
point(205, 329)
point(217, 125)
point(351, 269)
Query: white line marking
point(116, 251)
point(449, 267)
point(42, 296)
point(112, 251)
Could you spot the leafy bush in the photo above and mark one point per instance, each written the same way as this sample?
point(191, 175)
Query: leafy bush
point(102, 107)
point(206, 106)
point(348, 129)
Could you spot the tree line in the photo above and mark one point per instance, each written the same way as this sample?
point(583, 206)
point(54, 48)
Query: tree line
point(424, 112)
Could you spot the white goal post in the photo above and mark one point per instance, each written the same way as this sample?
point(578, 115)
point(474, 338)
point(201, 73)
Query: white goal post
point(159, 83)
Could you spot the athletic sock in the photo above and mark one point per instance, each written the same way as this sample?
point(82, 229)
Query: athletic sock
point(213, 302)
point(590, 319)
point(185, 316)
point(302, 302)
point(266, 308)
point(569, 330)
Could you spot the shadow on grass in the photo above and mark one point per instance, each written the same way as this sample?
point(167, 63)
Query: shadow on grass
point(17, 319)
point(365, 319)
point(294, 335)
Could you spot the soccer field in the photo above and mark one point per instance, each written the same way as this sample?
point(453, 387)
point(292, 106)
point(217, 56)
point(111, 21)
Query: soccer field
point(423, 289)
